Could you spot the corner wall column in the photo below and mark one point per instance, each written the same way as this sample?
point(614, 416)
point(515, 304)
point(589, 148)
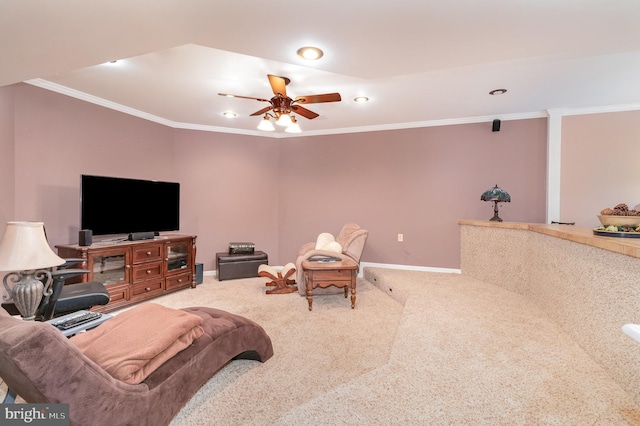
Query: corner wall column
point(554, 151)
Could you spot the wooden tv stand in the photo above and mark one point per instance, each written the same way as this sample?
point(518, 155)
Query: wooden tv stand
point(134, 271)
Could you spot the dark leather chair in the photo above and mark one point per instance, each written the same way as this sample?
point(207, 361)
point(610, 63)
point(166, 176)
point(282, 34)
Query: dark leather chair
point(67, 298)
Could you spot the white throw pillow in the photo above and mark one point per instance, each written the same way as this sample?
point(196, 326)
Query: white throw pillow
point(327, 242)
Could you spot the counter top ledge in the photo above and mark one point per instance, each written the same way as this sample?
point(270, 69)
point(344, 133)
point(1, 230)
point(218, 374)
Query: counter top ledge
point(578, 234)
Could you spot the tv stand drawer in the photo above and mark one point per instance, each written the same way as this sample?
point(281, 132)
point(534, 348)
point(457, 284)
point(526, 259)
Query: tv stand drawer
point(147, 289)
point(147, 253)
point(179, 281)
point(118, 293)
point(147, 271)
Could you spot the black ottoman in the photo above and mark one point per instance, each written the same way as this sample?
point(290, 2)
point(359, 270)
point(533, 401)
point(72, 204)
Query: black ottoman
point(234, 266)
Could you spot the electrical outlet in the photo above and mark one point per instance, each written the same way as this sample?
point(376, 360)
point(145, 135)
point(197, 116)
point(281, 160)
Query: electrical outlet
point(400, 238)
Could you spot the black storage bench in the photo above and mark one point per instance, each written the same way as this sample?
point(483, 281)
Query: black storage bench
point(234, 266)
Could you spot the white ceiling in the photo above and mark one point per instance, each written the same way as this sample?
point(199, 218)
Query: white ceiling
point(419, 61)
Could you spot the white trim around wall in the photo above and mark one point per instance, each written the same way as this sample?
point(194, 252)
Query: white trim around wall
point(407, 268)
point(363, 265)
point(54, 87)
point(554, 150)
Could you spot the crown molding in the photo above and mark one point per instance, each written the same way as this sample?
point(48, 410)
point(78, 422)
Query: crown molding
point(44, 84)
point(599, 109)
point(430, 123)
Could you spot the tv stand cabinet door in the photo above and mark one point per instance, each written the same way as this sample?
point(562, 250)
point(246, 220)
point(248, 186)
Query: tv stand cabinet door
point(110, 266)
point(178, 257)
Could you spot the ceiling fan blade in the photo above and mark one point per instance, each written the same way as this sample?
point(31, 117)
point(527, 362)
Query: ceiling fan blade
point(262, 111)
point(278, 85)
point(243, 97)
point(316, 99)
point(304, 112)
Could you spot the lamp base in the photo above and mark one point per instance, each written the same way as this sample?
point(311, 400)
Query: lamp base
point(495, 217)
point(28, 291)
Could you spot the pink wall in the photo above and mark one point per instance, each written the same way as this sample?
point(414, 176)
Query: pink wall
point(7, 184)
point(600, 157)
point(280, 193)
point(58, 138)
point(229, 191)
point(416, 182)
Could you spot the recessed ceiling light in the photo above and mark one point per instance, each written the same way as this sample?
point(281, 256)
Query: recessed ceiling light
point(498, 92)
point(361, 99)
point(310, 53)
point(230, 114)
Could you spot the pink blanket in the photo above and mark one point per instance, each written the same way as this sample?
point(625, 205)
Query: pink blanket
point(133, 344)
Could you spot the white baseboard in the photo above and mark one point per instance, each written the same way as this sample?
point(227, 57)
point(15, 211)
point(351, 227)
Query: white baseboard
point(408, 268)
point(363, 265)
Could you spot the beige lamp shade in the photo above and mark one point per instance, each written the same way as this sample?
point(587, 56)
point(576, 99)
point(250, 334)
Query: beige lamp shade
point(24, 247)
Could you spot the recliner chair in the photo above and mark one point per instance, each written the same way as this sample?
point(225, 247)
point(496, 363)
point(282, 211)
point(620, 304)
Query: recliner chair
point(352, 240)
point(67, 298)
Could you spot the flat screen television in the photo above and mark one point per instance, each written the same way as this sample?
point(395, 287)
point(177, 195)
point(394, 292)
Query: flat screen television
point(114, 205)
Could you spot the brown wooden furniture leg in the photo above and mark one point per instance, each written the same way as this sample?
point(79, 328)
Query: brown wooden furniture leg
point(353, 296)
point(283, 288)
point(309, 287)
point(282, 283)
point(341, 274)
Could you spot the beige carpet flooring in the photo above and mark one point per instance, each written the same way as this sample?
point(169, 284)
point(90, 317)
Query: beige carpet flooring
point(419, 348)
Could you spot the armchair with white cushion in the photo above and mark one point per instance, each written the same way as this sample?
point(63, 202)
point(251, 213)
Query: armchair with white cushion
point(348, 244)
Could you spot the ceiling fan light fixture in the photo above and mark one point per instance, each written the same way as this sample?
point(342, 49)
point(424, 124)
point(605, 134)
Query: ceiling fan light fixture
point(266, 124)
point(310, 53)
point(293, 128)
point(281, 106)
point(284, 120)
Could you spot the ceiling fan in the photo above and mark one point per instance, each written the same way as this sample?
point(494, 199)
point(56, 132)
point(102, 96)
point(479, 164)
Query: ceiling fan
point(282, 105)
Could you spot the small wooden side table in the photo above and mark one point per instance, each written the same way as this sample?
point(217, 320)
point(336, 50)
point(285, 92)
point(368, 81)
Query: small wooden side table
point(341, 274)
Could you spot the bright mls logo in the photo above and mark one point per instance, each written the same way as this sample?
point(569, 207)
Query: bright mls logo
point(35, 414)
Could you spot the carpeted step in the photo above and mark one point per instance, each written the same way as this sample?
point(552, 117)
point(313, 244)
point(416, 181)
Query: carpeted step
point(387, 281)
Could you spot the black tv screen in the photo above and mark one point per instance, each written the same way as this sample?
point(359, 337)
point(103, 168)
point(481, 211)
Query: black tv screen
point(113, 205)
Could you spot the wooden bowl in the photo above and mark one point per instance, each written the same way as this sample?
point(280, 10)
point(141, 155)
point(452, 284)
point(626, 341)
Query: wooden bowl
point(627, 221)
